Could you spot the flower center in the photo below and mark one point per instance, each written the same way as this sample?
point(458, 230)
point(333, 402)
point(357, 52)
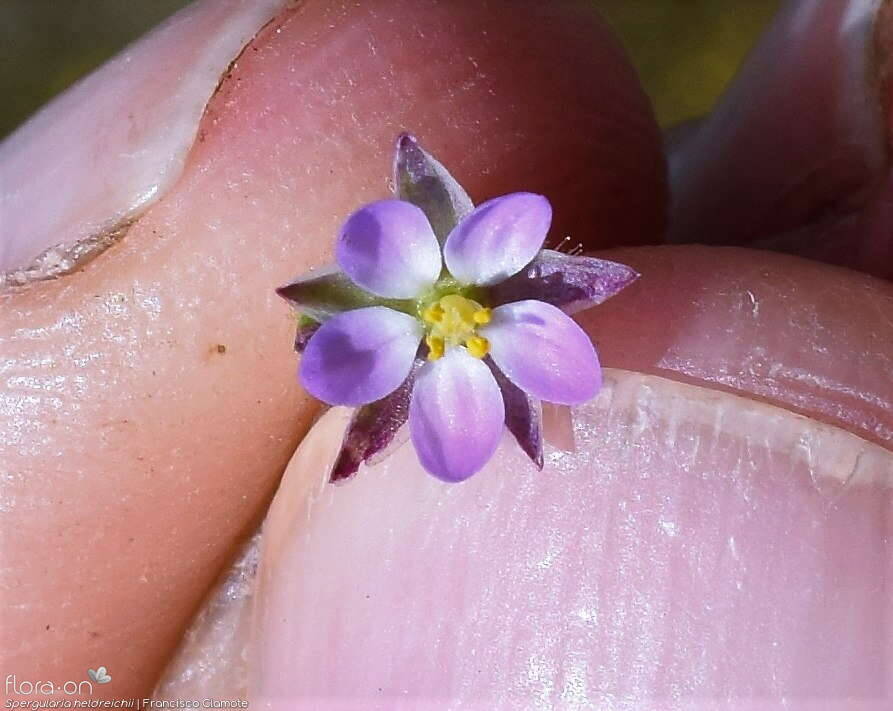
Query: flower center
point(453, 320)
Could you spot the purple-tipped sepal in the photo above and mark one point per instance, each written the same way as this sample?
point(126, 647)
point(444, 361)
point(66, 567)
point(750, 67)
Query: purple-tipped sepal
point(523, 416)
point(420, 178)
point(569, 282)
point(374, 428)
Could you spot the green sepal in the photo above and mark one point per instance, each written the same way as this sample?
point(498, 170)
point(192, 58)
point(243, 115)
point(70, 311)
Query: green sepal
point(328, 291)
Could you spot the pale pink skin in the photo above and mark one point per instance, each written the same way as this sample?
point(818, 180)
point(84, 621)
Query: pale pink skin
point(722, 529)
point(795, 154)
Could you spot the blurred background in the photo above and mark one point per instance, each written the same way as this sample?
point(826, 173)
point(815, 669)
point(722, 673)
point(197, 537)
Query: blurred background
point(686, 50)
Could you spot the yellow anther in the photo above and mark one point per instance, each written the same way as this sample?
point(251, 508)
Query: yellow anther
point(435, 347)
point(453, 321)
point(482, 316)
point(459, 310)
point(477, 346)
point(433, 314)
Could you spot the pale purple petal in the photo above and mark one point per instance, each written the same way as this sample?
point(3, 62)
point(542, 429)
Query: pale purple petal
point(388, 248)
point(456, 416)
point(544, 352)
point(421, 179)
point(374, 427)
point(523, 416)
point(498, 238)
point(569, 282)
point(360, 356)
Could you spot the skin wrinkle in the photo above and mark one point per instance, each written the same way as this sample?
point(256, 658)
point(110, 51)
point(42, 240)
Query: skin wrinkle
point(786, 378)
point(789, 357)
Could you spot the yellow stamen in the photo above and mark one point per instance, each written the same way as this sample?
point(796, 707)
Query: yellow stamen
point(453, 321)
point(477, 346)
point(435, 347)
point(459, 310)
point(482, 316)
point(433, 314)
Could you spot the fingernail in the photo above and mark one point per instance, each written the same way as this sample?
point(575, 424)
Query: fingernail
point(211, 659)
point(97, 155)
point(694, 547)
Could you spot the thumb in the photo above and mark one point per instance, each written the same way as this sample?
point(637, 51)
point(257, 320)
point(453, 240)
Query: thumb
point(794, 157)
point(149, 395)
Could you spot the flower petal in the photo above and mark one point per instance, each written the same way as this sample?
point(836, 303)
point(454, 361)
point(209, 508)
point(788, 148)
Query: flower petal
point(360, 356)
point(523, 416)
point(498, 238)
point(571, 283)
point(374, 427)
point(456, 415)
point(388, 248)
point(422, 180)
point(544, 352)
point(324, 292)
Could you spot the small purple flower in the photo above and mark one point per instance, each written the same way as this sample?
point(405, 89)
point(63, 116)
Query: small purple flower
point(451, 316)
